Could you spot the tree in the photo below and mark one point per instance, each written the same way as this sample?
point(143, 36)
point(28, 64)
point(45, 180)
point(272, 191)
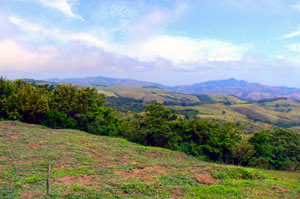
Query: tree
point(211, 139)
point(106, 122)
point(242, 153)
point(83, 105)
point(28, 104)
point(279, 147)
point(156, 125)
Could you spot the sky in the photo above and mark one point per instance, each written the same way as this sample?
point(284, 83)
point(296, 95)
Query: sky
point(173, 42)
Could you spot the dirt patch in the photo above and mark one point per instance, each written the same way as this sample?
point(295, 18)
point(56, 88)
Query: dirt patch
point(69, 180)
point(176, 193)
point(30, 195)
point(281, 189)
point(4, 158)
point(23, 161)
point(8, 127)
point(144, 174)
point(158, 169)
point(205, 179)
point(35, 146)
point(9, 137)
point(52, 146)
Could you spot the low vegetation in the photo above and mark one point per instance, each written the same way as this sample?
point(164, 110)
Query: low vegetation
point(86, 166)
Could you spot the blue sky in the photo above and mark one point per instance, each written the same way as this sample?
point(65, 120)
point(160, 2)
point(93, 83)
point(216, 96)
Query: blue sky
point(167, 41)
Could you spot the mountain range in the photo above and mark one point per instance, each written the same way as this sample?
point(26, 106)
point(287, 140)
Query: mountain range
point(230, 86)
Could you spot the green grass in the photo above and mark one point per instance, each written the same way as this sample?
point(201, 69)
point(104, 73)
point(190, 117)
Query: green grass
point(86, 166)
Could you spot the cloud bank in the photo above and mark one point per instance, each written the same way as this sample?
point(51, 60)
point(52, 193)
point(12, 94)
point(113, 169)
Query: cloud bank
point(131, 39)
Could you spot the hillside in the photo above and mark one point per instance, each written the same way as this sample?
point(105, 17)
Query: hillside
point(230, 86)
point(148, 95)
point(252, 114)
point(86, 166)
point(105, 81)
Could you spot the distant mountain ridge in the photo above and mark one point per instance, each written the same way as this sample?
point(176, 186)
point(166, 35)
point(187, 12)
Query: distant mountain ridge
point(240, 88)
point(230, 86)
point(105, 81)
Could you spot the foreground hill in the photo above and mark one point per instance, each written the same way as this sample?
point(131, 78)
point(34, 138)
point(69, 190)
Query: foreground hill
point(89, 167)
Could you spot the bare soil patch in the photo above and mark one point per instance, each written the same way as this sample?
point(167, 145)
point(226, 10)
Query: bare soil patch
point(35, 146)
point(205, 179)
point(69, 180)
point(176, 193)
point(144, 174)
point(4, 158)
point(158, 169)
point(9, 137)
point(8, 127)
point(30, 195)
point(24, 161)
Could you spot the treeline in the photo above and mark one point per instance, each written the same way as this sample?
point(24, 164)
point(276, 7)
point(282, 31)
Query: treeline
point(69, 107)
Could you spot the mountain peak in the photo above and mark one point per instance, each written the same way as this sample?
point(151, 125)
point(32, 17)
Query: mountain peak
point(231, 79)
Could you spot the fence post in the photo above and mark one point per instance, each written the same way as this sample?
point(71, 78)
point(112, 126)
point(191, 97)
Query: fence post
point(48, 179)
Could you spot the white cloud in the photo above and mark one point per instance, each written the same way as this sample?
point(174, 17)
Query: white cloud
point(291, 35)
point(15, 57)
point(295, 33)
point(185, 50)
point(63, 6)
point(294, 47)
point(181, 51)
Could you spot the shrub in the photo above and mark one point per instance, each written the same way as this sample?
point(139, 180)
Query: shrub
point(58, 120)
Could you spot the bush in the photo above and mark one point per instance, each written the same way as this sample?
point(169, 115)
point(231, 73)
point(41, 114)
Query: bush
point(279, 147)
point(59, 120)
point(260, 162)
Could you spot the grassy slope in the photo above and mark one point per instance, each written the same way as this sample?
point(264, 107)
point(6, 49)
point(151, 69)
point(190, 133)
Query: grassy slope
point(284, 111)
point(146, 94)
point(267, 113)
point(88, 166)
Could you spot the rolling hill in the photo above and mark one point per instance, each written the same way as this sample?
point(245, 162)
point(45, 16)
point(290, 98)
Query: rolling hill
point(86, 166)
point(253, 115)
point(230, 86)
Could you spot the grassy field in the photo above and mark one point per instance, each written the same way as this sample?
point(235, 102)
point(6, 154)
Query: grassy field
point(86, 166)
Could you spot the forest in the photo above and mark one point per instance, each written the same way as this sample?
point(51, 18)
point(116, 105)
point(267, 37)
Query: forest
point(69, 107)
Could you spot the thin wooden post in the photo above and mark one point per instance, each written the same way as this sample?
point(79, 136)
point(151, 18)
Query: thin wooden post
point(48, 179)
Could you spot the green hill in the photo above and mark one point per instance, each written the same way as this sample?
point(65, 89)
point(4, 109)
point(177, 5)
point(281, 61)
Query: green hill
point(150, 94)
point(252, 114)
point(88, 166)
